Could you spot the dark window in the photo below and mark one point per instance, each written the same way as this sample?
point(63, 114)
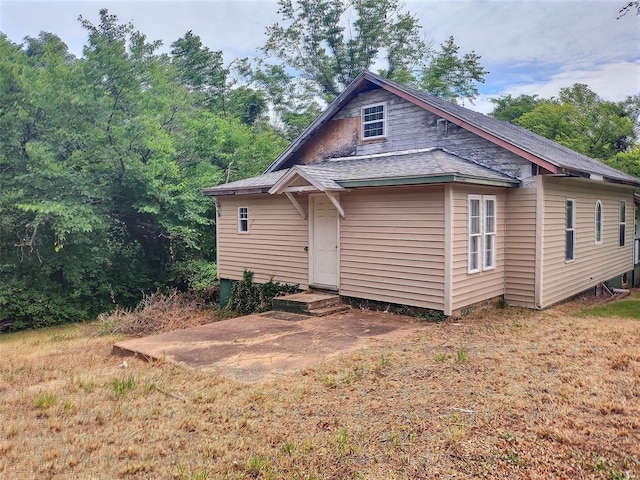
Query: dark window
point(570, 220)
point(243, 219)
point(623, 222)
point(598, 222)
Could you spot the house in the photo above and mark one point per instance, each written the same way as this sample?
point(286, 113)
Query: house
point(395, 196)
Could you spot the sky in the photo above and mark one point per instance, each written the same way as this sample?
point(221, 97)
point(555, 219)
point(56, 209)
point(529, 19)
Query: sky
point(532, 47)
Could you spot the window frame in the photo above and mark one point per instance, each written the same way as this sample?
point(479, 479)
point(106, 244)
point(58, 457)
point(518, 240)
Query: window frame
point(598, 222)
point(481, 236)
point(383, 120)
point(489, 234)
point(622, 223)
point(569, 229)
point(243, 220)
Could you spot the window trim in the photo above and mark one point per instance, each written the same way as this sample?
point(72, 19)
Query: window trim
point(383, 121)
point(622, 223)
point(571, 229)
point(489, 234)
point(598, 222)
point(478, 256)
point(243, 221)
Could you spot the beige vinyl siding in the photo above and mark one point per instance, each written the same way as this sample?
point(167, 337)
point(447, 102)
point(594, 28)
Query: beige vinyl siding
point(470, 288)
point(275, 245)
point(593, 263)
point(392, 246)
point(520, 245)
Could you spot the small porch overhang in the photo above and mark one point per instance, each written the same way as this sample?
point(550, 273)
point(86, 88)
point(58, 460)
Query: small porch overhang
point(290, 184)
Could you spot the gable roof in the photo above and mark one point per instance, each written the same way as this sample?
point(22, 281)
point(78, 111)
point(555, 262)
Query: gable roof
point(539, 150)
point(408, 167)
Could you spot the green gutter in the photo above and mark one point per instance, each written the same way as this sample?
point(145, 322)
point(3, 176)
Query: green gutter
point(388, 182)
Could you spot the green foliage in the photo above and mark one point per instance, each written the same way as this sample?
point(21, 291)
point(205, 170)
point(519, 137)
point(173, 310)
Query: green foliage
point(322, 45)
point(248, 297)
point(122, 386)
point(451, 76)
point(101, 164)
point(432, 316)
point(198, 274)
point(245, 295)
point(45, 400)
point(510, 108)
point(462, 355)
point(628, 162)
point(578, 119)
point(624, 308)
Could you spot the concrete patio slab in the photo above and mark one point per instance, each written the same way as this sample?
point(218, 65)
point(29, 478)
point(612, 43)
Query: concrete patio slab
point(255, 347)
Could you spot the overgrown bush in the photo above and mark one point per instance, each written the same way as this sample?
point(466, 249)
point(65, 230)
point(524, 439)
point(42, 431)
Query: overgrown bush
point(158, 312)
point(248, 297)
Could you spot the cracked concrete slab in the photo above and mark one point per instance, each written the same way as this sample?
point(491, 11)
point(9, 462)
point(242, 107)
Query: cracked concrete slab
point(256, 347)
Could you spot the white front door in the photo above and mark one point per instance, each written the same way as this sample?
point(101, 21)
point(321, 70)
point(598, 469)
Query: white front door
point(323, 240)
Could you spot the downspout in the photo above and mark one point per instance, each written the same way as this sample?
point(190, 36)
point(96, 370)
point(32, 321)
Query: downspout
point(538, 295)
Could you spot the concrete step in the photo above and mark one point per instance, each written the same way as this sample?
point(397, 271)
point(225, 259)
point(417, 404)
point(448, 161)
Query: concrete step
point(305, 302)
point(323, 312)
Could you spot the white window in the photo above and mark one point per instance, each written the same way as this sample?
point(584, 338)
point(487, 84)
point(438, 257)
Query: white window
point(374, 123)
point(623, 222)
point(482, 232)
point(570, 232)
point(598, 219)
point(243, 219)
point(489, 232)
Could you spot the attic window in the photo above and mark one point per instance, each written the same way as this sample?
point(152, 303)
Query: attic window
point(374, 121)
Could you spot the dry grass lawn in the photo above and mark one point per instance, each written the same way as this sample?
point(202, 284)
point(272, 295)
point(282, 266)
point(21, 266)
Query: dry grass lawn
point(501, 393)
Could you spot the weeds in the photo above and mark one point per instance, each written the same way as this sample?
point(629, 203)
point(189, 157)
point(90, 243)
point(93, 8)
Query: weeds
point(440, 357)
point(122, 386)
point(45, 400)
point(462, 355)
point(157, 312)
point(432, 316)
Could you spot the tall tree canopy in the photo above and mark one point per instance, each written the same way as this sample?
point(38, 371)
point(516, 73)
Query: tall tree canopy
point(578, 119)
point(327, 43)
point(102, 160)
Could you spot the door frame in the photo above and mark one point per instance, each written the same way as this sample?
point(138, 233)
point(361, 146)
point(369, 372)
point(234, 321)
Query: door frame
point(312, 200)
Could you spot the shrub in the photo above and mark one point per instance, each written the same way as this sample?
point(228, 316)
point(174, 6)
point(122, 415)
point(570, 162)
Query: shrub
point(248, 297)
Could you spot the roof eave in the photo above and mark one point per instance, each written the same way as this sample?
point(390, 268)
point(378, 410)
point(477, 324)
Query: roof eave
point(597, 177)
point(426, 180)
point(223, 192)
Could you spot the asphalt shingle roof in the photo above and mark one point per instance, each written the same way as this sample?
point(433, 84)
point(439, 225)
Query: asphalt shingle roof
point(527, 141)
point(419, 163)
point(533, 143)
point(328, 175)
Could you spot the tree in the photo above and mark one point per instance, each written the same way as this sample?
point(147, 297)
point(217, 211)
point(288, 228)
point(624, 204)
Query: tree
point(629, 7)
point(450, 76)
point(582, 121)
point(510, 109)
point(329, 42)
point(578, 119)
point(322, 45)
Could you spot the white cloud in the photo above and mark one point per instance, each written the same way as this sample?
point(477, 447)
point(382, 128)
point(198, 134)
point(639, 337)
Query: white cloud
point(613, 82)
point(533, 47)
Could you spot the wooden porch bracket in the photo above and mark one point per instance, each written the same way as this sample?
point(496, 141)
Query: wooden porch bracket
point(335, 202)
point(295, 203)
